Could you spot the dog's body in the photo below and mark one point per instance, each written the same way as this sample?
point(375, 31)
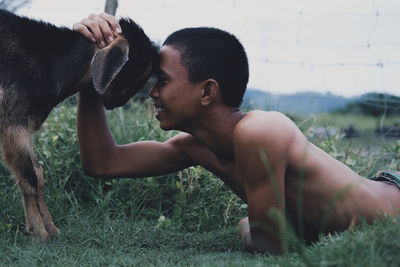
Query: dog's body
point(40, 66)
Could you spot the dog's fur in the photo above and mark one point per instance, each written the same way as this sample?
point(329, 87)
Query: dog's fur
point(40, 66)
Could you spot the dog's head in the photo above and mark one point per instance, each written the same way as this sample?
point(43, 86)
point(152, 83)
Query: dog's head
point(121, 69)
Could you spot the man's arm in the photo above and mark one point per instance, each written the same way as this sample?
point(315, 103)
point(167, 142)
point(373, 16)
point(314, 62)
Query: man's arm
point(102, 157)
point(99, 153)
point(261, 146)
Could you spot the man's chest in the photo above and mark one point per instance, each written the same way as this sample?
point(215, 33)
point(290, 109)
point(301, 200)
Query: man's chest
point(225, 170)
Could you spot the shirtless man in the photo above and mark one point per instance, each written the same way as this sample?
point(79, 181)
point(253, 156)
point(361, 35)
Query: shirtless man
point(262, 156)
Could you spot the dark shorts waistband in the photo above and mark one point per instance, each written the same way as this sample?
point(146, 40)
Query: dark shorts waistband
point(388, 176)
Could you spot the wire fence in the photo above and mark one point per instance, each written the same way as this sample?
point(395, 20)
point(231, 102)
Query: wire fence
point(353, 44)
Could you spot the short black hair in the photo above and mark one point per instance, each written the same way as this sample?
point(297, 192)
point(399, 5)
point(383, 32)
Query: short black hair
point(210, 53)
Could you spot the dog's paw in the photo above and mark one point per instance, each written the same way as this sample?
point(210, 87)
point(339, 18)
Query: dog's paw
point(40, 235)
point(53, 230)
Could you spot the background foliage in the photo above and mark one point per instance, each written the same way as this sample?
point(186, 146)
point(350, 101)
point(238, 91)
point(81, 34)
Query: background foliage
point(13, 5)
point(374, 104)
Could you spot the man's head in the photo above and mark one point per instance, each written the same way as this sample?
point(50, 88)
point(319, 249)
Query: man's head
point(209, 53)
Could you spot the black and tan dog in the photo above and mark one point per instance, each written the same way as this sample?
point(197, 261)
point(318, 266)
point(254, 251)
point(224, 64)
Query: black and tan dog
point(40, 66)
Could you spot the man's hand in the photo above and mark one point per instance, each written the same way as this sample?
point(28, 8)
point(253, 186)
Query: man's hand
point(99, 28)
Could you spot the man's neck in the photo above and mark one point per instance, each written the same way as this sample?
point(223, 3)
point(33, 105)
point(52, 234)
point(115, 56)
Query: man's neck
point(215, 130)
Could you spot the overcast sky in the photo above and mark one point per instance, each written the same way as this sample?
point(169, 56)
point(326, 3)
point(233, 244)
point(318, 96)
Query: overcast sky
point(345, 47)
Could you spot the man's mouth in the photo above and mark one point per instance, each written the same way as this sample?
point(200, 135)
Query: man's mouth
point(158, 109)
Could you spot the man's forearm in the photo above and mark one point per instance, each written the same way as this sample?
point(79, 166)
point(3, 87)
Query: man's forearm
point(95, 140)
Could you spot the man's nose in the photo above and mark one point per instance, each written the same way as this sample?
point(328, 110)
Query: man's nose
point(154, 92)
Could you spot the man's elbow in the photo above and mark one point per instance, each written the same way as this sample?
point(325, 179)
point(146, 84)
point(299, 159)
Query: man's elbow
point(90, 172)
point(93, 170)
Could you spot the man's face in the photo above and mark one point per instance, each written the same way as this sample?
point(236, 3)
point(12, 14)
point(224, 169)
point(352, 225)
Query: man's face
point(176, 99)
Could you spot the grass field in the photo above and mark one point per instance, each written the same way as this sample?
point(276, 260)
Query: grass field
point(183, 219)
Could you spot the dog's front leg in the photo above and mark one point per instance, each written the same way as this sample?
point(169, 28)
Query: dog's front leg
point(19, 155)
point(44, 211)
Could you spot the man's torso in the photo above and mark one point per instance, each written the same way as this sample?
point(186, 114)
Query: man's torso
point(320, 192)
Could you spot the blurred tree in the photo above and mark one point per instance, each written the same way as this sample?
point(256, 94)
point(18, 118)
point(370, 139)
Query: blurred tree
point(374, 104)
point(13, 5)
point(111, 7)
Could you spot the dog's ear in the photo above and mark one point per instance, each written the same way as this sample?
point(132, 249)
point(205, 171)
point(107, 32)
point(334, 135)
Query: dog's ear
point(107, 63)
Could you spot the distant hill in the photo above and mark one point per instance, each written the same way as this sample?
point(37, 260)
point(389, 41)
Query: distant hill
point(303, 103)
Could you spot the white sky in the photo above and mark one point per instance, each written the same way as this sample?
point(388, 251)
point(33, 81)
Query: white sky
point(292, 45)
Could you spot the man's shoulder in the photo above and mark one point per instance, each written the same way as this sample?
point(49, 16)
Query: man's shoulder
point(182, 140)
point(187, 144)
point(263, 124)
point(272, 132)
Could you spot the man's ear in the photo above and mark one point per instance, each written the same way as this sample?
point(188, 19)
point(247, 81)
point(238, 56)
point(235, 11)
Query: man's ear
point(209, 92)
point(107, 63)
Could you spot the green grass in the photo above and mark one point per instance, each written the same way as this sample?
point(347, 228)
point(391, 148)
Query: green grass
point(184, 219)
point(93, 240)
